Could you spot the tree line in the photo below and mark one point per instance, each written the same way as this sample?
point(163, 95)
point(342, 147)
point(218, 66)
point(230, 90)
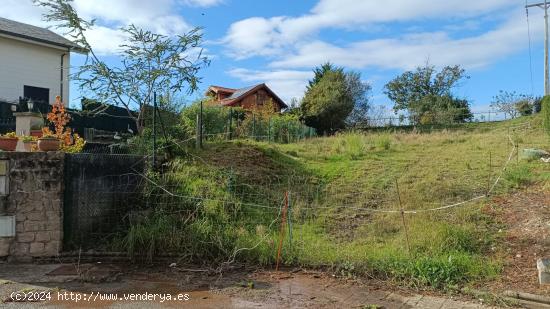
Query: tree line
point(335, 99)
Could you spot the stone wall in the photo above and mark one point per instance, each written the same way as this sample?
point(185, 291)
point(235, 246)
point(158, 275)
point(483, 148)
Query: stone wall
point(35, 197)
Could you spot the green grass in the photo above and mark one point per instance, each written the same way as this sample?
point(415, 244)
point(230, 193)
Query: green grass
point(333, 181)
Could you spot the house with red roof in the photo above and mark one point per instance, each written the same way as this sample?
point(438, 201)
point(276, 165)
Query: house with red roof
point(249, 98)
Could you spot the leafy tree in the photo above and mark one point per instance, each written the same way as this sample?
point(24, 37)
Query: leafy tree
point(360, 93)
point(148, 63)
point(320, 71)
point(328, 103)
point(214, 118)
point(512, 103)
point(294, 107)
point(412, 91)
point(434, 109)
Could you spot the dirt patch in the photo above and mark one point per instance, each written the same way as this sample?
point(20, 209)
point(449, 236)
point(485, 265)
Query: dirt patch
point(244, 288)
point(253, 164)
point(525, 217)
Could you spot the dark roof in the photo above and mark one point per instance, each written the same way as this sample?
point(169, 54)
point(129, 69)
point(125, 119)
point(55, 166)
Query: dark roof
point(242, 91)
point(33, 33)
point(223, 89)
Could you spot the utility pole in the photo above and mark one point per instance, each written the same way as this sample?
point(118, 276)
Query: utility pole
point(544, 6)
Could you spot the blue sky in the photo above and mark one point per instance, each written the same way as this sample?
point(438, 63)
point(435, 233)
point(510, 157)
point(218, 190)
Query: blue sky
point(279, 42)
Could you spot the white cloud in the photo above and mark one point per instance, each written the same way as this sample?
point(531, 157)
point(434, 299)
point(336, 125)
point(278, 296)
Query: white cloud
point(158, 16)
point(254, 37)
point(155, 15)
point(287, 84)
point(202, 3)
point(265, 36)
point(411, 50)
point(105, 41)
point(22, 11)
point(291, 44)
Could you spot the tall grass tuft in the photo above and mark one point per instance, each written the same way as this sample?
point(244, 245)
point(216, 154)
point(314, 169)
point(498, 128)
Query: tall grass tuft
point(518, 176)
point(383, 142)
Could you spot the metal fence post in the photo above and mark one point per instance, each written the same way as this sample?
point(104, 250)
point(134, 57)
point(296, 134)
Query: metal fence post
point(289, 216)
point(198, 133)
point(200, 127)
point(254, 126)
point(269, 130)
point(288, 132)
point(230, 122)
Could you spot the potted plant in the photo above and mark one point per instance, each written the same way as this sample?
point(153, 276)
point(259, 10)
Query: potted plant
point(8, 142)
point(48, 142)
point(29, 143)
point(36, 131)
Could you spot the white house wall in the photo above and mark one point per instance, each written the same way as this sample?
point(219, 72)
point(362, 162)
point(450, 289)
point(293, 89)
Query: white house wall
point(30, 64)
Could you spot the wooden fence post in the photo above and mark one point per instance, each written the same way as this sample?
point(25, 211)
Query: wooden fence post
point(282, 232)
point(403, 217)
point(490, 172)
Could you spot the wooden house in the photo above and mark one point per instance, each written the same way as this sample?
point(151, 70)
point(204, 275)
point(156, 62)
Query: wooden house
point(249, 98)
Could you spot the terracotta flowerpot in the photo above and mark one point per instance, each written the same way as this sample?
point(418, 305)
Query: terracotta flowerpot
point(37, 133)
point(8, 143)
point(29, 145)
point(48, 144)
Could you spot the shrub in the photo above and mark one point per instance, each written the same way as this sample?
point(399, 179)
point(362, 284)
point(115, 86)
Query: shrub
point(537, 105)
point(59, 118)
point(524, 107)
point(215, 119)
point(10, 135)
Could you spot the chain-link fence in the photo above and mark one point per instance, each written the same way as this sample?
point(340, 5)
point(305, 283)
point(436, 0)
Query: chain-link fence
point(211, 123)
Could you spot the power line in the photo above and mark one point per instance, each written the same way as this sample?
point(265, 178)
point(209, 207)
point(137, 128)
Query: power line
point(530, 49)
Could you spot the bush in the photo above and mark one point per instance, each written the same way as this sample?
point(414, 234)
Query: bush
point(524, 108)
point(537, 105)
point(215, 119)
point(260, 124)
point(200, 228)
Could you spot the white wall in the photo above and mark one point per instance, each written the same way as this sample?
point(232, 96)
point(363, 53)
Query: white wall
point(24, 63)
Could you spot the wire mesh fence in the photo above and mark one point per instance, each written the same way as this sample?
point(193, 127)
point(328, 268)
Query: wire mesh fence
point(174, 209)
point(220, 123)
point(433, 121)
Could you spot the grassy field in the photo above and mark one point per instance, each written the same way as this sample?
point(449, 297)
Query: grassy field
point(227, 200)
